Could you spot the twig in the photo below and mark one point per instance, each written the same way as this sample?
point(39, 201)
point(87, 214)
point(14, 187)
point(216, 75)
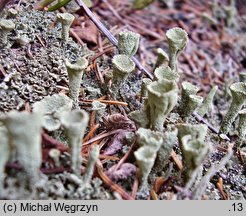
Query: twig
point(91, 132)
point(220, 187)
point(135, 187)
point(124, 158)
point(120, 103)
point(176, 160)
point(101, 136)
point(108, 34)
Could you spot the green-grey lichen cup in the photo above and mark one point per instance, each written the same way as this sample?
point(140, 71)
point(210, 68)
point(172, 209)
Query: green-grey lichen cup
point(145, 158)
point(162, 58)
point(5, 27)
point(123, 66)
point(194, 150)
point(66, 20)
point(177, 39)
point(24, 131)
point(238, 92)
point(51, 108)
point(165, 72)
point(74, 124)
point(128, 43)
point(75, 73)
point(162, 97)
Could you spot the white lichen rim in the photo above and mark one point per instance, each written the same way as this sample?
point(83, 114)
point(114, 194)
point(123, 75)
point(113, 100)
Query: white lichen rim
point(65, 17)
point(196, 98)
point(6, 24)
point(190, 87)
point(239, 88)
point(123, 63)
point(162, 87)
point(162, 71)
point(178, 36)
point(192, 145)
point(242, 112)
point(127, 33)
point(160, 51)
point(80, 65)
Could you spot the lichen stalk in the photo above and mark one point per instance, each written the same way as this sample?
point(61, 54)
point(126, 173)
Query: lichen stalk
point(75, 73)
point(75, 123)
point(238, 91)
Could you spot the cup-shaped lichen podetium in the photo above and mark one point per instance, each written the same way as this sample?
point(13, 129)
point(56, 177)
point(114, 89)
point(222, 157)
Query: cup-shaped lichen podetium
point(162, 159)
point(238, 92)
point(24, 131)
point(5, 27)
point(51, 108)
point(74, 124)
point(191, 141)
point(122, 67)
point(242, 76)
point(66, 20)
point(192, 103)
point(152, 139)
point(162, 58)
point(187, 90)
point(197, 131)
point(128, 43)
point(94, 153)
point(177, 39)
point(145, 158)
point(242, 124)
point(162, 97)
point(4, 155)
point(75, 73)
point(194, 152)
point(165, 72)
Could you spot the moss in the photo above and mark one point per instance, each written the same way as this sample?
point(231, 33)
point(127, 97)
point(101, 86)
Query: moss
point(140, 4)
